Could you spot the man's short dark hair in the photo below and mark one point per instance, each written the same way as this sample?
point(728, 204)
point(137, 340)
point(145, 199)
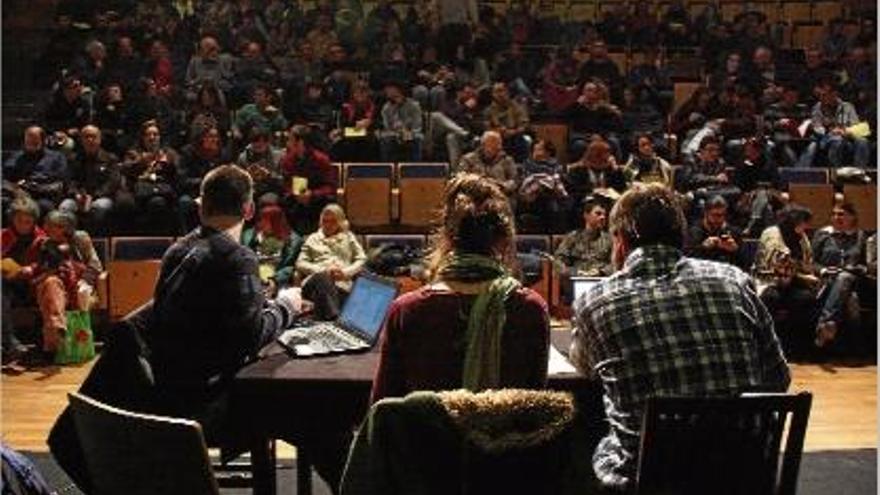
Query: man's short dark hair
point(649, 215)
point(714, 202)
point(226, 190)
point(707, 140)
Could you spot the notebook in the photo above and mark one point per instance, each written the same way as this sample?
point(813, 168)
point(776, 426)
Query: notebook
point(580, 285)
point(357, 327)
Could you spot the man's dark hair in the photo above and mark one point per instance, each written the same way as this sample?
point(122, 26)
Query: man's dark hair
point(226, 190)
point(647, 216)
point(707, 140)
point(714, 202)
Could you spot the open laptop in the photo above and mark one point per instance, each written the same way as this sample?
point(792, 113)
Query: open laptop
point(357, 327)
point(580, 285)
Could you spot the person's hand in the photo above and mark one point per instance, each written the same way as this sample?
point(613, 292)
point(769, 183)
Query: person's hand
point(271, 288)
point(362, 124)
point(722, 177)
point(470, 103)
point(292, 295)
point(838, 131)
point(711, 242)
point(26, 272)
point(728, 243)
point(336, 273)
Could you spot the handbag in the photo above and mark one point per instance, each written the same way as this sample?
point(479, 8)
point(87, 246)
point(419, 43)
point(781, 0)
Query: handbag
point(78, 344)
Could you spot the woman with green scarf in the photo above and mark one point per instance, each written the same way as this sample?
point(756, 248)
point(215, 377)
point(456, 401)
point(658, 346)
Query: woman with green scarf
point(474, 326)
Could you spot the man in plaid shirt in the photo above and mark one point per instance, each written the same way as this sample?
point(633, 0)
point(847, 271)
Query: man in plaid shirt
point(664, 325)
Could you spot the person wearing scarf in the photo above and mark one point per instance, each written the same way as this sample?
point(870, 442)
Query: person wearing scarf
point(474, 326)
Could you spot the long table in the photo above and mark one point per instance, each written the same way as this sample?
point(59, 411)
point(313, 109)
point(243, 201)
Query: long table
point(281, 397)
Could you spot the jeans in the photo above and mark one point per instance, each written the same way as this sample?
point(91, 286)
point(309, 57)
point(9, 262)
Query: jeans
point(452, 133)
point(429, 98)
point(838, 290)
point(98, 216)
point(837, 148)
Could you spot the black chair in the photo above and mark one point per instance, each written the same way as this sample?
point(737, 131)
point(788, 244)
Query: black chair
point(723, 446)
point(132, 453)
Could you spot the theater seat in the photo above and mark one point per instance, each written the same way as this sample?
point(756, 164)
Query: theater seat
point(864, 199)
point(420, 187)
point(537, 245)
point(368, 193)
point(133, 271)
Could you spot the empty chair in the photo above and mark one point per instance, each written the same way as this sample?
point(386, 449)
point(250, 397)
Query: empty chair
point(723, 445)
point(864, 198)
point(807, 35)
point(132, 453)
point(368, 193)
point(819, 198)
point(420, 188)
point(133, 271)
point(796, 12)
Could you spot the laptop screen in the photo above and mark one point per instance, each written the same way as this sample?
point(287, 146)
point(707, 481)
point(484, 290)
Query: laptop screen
point(583, 284)
point(366, 306)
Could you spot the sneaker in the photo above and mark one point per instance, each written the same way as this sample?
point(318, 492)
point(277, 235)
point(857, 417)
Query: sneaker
point(825, 333)
point(13, 353)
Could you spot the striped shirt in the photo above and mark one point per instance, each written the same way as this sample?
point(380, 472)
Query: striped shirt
point(670, 325)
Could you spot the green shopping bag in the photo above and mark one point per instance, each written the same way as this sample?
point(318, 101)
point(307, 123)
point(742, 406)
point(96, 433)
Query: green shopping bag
point(78, 344)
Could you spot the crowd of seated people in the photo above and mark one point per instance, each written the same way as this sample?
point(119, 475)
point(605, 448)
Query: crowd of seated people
point(145, 100)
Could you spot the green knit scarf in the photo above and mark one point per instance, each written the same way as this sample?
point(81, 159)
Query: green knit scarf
point(482, 361)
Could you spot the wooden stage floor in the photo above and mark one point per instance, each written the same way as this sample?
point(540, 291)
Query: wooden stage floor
point(844, 414)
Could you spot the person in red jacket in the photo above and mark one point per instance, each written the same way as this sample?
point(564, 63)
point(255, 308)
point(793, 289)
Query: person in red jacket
point(310, 181)
point(20, 244)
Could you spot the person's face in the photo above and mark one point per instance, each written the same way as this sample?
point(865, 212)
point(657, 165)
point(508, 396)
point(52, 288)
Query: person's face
point(595, 218)
point(91, 140)
point(491, 146)
point(591, 93)
point(715, 218)
point(539, 152)
point(842, 219)
point(646, 147)
point(733, 63)
point(73, 90)
point(33, 140)
point(329, 223)
point(813, 58)
point(790, 96)
point(752, 152)
point(114, 93)
point(152, 137)
point(211, 141)
point(827, 95)
point(124, 47)
point(261, 98)
point(295, 145)
point(252, 51)
point(55, 232)
point(210, 48)
point(598, 50)
point(23, 223)
point(336, 53)
point(314, 93)
point(801, 228)
point(762, 57)
point(393, 93)
point(500, 94)
point(710, 153)
point(260, 144)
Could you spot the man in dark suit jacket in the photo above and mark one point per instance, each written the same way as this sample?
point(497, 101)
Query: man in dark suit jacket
point(210, 316)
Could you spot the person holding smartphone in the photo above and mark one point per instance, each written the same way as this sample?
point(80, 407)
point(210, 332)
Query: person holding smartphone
point(712, 238)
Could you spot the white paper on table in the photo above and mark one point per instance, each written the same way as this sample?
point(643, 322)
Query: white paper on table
point(558, 364)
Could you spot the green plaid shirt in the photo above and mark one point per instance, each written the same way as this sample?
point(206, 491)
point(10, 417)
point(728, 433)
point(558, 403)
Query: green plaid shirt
point(670, 325)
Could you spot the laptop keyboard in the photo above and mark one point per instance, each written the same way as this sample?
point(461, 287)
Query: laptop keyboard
point(331, 337)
